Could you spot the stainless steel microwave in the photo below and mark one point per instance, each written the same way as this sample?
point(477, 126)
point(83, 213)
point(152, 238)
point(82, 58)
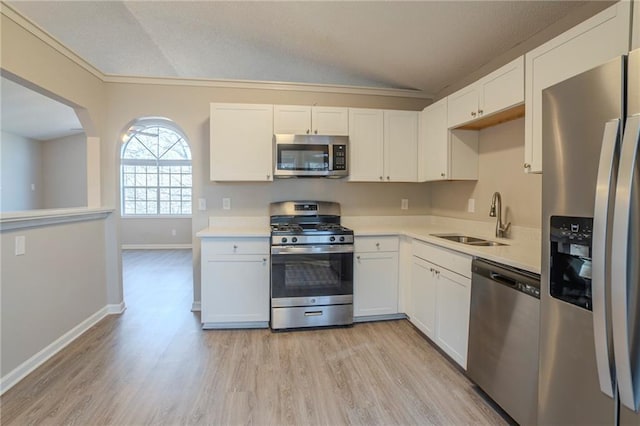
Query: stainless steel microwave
point(310, 156)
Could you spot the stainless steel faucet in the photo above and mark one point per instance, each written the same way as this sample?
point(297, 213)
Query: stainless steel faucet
point(496, 211)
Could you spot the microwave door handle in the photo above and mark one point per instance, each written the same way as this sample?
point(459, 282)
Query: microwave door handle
point(600, 278)
point(625, 272)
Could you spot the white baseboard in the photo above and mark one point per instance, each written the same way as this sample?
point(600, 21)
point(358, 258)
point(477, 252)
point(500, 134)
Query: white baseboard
point(195, 307)
point(116, 309)
point(20, 372)
point(155, 246)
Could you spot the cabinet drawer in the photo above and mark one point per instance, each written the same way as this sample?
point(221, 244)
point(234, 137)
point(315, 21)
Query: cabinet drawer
point(376, 244)
point(215, 246)
point(449, 259)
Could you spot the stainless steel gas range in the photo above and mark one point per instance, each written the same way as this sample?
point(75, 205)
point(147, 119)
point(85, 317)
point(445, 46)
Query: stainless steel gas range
point(311, 265)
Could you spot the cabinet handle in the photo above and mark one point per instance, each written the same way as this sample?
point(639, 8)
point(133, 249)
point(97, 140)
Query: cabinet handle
point(235, 247)
point(527, 165)
point(381, 178)
point(388, 178)
point(473, 113)
point(378, 245)
point(315, 131)
point(480, 112)
point(308, 131)
point(264, 260)
point(358, 257)
point(442, 174)
point(268, 176)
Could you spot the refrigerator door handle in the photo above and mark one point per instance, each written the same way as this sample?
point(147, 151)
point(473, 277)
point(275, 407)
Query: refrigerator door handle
point(625, 272)
point(600, 281)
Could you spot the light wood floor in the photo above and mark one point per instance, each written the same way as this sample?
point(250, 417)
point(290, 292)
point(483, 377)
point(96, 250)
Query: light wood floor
point(153, 365)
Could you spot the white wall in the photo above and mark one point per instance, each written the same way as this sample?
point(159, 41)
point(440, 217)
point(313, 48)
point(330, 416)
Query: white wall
point(64, 163)
point(20, 167)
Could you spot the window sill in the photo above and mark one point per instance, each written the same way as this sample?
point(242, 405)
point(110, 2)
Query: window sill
point(45, 217)
point(153, 216)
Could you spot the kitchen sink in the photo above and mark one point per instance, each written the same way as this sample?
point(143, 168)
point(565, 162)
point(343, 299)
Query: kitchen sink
point(472, 241)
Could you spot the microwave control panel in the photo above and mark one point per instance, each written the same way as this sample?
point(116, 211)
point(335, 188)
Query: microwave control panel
point(339, 157)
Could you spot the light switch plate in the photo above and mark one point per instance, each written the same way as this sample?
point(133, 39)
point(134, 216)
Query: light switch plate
point(202, 203)
point(471, 205)
point(226, 203)
point(21, 247)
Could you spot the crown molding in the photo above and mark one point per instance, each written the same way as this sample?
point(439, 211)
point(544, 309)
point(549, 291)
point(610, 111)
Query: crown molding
point(51, 41)
point(48, 39)
point(269, 85)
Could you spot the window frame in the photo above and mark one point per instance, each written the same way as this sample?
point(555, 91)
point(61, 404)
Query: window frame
point(156, 164)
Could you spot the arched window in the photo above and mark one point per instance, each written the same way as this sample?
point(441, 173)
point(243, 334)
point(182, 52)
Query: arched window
point(155, 170)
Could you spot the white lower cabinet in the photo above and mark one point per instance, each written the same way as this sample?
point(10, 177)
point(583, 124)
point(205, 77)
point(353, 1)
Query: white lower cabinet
point(441, 297)
point(235, 283)
point(375, 277)
point(423, 297)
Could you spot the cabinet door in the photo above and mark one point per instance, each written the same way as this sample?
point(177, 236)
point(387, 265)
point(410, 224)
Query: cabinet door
point(454, 299)
point(366, 148)
point(330, 121)
point(241, 142)
point(401, 146)
point(423, 296)
point(502, 88)
point(635, 39)
point(375, 284)
point(463, 106)
point(292, 119)
point(433, 159)
point(235, 289)
point(585, 46)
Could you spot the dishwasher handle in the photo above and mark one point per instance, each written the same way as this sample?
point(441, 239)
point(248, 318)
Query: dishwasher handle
point(519, 280)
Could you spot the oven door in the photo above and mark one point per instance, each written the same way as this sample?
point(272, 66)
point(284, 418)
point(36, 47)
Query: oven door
point(311, 275)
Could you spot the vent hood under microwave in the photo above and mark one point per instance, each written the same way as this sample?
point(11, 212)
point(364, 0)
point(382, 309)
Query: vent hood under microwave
point(310, 156)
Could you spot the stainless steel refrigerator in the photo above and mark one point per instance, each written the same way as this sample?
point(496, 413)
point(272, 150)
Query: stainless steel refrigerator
point(590, 281)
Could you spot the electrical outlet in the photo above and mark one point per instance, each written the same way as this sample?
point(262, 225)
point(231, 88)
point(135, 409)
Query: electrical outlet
point(202, 203)
point(471, 205)
point(404, 204)
point(226, 203)
point(21, 247)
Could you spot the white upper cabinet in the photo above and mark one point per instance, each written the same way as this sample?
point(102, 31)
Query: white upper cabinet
point(498, 91)
point(241, 139)
point(300, 120)
point(383, 145)
point(585, 46)
point(635, 40)
point(445, 154)
point(366, 144)
point(400, 146)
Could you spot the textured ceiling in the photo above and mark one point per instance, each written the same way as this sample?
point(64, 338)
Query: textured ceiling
point(423, 45)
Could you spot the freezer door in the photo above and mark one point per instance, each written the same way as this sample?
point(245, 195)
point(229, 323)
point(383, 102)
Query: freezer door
point(574, 117)
point(626, 280)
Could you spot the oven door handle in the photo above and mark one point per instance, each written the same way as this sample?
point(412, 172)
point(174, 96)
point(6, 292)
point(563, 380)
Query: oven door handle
point(337, 249)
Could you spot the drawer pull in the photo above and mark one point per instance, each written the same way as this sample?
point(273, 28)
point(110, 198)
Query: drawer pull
point(313, 314)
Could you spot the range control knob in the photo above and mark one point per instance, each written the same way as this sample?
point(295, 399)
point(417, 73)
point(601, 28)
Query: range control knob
point(341, 238)
point(294, 240)
point(284, 239)
point(332, 239)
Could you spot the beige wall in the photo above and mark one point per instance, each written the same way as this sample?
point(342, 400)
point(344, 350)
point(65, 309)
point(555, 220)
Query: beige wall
point(188, 107)
point(53, 287)
point(501, 153)
point(21, 161)
point(64, 165)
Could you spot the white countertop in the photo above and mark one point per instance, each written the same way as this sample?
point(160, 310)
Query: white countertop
point(522, 251)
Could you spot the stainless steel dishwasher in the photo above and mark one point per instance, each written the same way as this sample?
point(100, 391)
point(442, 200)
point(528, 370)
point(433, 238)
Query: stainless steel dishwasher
point(503, 337)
